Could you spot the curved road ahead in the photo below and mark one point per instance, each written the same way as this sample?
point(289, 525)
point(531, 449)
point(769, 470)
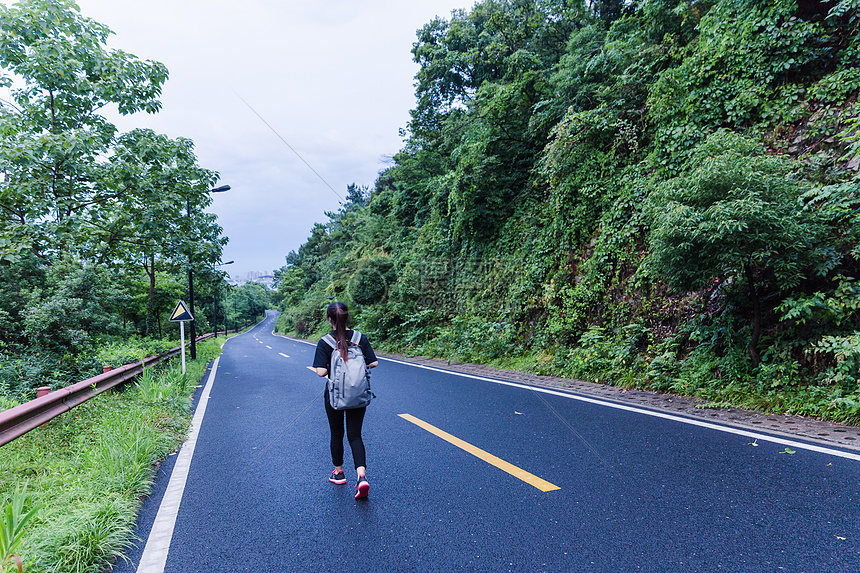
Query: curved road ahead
point(469, 474)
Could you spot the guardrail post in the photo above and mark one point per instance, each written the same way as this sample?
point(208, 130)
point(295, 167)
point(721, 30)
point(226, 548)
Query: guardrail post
point(43, 391)
point(106, 368)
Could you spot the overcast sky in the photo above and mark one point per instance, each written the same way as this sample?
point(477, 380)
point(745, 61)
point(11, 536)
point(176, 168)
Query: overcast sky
point(335, 79)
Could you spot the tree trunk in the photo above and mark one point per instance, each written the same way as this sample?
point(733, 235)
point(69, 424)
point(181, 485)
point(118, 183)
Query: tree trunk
point(151, 301)
point(149, 267)
point(756, 331)
point(158, 321)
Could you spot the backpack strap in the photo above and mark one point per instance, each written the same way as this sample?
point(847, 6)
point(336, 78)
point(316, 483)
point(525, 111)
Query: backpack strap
point(356, 338)
point(329, 339)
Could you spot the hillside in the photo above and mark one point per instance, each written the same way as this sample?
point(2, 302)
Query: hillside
point(656, 194)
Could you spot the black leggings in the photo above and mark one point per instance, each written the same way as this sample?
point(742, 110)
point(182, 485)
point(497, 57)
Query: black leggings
point(354, 419)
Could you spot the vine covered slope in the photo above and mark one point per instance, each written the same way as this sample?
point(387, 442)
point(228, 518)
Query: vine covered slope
point(659, 194)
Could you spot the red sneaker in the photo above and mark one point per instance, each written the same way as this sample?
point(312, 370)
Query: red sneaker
point(361, 488)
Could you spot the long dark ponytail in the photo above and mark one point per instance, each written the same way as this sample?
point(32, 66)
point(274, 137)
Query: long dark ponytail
point(338, 313)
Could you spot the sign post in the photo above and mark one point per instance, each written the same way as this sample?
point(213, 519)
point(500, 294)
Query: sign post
point(181, 315)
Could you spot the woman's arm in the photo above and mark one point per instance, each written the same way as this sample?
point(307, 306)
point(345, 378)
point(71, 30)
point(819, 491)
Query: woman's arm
point(322, 372)
point(373, 364)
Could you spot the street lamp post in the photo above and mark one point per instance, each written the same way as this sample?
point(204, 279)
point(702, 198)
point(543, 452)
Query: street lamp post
point(191, 274)
point(215, 302)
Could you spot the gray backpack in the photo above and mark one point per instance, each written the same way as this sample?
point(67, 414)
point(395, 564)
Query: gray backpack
point(348, 382)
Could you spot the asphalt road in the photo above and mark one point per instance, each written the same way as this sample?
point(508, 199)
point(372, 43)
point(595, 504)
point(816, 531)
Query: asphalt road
point(627, 490)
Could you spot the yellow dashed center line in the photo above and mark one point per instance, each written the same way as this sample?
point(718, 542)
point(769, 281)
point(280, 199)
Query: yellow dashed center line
point(282, 354)
point(269, 347)
point(312, 369)
point(530, 479)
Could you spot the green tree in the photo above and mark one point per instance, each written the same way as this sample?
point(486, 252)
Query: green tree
point(147, 225)
point(290, 282)
point(15, 282)
point(483, 74)
point(76, 304)
point(749, 65)
point(736, 216)
point(246, 302)
point(54, 138)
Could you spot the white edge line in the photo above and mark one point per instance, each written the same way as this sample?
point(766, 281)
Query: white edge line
point(154, 556)
point(710, 426)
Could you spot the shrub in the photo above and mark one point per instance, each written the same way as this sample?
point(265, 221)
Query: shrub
point(471, 339)
point(119, 352)
point(22, 374)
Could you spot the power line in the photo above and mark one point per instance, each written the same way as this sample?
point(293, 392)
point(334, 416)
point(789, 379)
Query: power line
point(288, 145)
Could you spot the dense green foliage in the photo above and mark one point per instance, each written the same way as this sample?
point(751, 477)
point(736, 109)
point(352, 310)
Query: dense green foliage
point(88, 470)
point(97, 227)
point(654, 193)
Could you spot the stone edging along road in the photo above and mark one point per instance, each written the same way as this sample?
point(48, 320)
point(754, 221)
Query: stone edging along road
point(808, 429)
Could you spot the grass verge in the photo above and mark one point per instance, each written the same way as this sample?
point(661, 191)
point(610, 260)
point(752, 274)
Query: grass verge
point(89, 469)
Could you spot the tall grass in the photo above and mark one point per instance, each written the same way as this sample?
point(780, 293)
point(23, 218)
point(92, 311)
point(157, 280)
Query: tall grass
point(90, 468)
point(13, 524)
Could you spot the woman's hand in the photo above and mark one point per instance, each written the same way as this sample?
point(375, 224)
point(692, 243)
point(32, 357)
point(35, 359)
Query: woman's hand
point(373, 364)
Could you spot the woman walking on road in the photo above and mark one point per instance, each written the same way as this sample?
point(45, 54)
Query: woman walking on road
point(338, 316)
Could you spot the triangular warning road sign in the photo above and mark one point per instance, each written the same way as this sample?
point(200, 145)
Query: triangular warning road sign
point(180, 313)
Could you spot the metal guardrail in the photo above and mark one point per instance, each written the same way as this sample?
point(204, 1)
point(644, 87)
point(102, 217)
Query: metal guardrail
point(19, 420)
